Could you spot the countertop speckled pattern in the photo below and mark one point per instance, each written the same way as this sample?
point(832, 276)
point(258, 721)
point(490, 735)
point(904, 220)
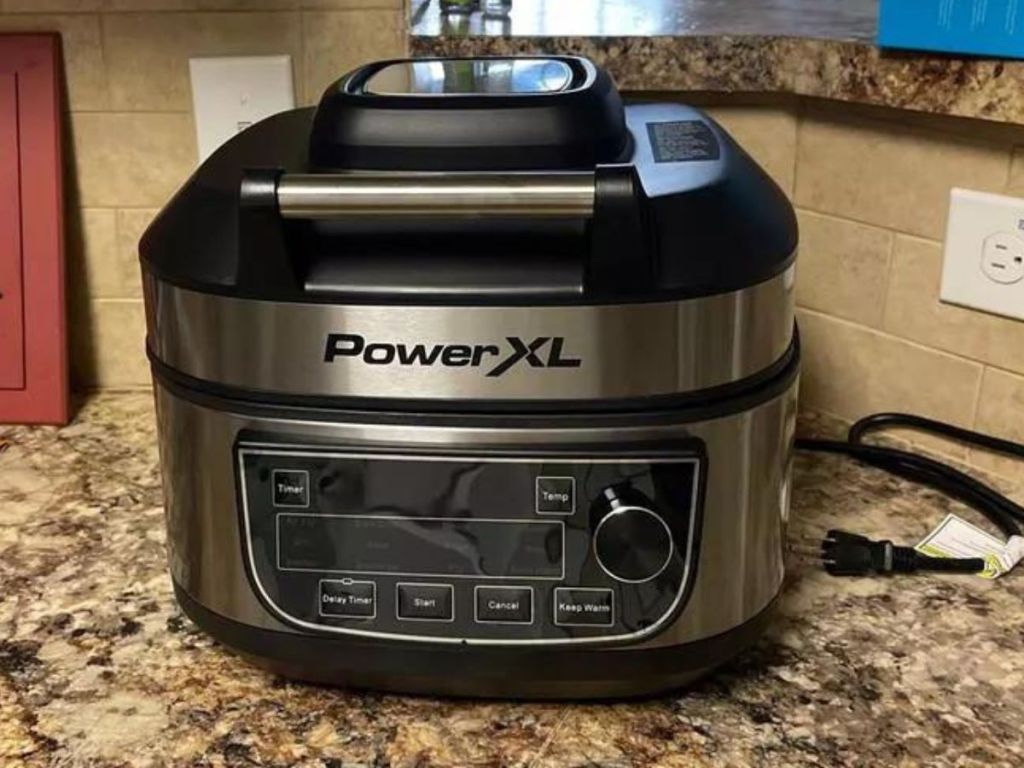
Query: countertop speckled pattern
point(99, 668)
point(823, 19)
point(817, 48)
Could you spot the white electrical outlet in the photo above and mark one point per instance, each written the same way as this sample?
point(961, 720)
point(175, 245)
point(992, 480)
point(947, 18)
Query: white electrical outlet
point(983, 267)
point(231, 93)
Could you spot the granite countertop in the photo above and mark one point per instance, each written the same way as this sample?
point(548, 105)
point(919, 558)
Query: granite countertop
point(98, 667)
point(819, 48)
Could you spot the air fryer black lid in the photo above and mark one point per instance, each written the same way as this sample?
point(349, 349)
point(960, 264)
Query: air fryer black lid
point(675, 208)
point(459, 114)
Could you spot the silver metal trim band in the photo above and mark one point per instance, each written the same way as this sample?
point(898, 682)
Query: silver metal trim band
point(582, 352)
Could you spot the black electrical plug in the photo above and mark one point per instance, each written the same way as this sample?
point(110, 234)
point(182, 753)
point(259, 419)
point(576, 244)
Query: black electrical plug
point(849, 554)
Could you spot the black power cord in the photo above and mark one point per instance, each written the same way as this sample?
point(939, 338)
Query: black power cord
point(846, 554)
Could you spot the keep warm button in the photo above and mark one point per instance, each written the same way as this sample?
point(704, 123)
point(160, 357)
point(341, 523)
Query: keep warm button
point(584, 607)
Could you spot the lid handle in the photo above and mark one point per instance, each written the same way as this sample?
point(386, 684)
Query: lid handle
point(437, 195)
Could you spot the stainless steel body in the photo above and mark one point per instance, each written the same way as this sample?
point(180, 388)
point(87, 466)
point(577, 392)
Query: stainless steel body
point(621, 351)
point(740, 558)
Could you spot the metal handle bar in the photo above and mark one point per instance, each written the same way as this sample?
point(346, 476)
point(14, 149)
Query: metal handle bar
point(325, 196)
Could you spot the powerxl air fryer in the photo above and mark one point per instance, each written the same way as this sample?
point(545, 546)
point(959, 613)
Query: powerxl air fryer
point(472, 380)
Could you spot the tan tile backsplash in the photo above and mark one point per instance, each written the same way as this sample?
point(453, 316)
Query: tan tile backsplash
point(148, 62)
point(131, 138)
point(1001, 413)
point(871, 189)
point(850, 371)
point(108, 344)
point(890, 174)
point(1016, 185)
point(92, 247)
point(873, 196)
point(368, 35)
point(103, 260)
point(85, 73)
point(843, 267)
point(131, 223)
point(768, 134)
point(130, 158)
point(913, 311)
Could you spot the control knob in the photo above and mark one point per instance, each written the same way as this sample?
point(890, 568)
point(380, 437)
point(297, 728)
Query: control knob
point(632, 543)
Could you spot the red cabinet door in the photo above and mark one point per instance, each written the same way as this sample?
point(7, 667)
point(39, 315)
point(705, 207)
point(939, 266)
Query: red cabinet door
point(12, 326)
point(33, 352)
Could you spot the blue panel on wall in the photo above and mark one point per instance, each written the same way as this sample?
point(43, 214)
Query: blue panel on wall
point(982, 27)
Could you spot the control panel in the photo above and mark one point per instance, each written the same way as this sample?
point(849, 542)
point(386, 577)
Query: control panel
point(486, 548)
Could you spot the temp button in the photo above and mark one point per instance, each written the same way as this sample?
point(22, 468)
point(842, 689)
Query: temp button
point(504, 605)
point(584, 607)
point(425, 602)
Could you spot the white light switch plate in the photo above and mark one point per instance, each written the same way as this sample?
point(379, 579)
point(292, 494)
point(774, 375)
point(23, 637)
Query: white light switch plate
point(231, 93)
point(983, 265)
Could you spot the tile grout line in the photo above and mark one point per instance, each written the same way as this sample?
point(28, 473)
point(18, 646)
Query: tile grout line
point(912, 342)
point(863, 222)
point(890, 269)
point(73, 112)
point(108, 92)
point(299, 71)
point(798, 113)
point(1005, 371)
point(1009, 167)
point(893, 337)
point(976, 405)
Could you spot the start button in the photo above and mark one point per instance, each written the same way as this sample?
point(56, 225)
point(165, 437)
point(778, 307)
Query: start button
point(425, 602)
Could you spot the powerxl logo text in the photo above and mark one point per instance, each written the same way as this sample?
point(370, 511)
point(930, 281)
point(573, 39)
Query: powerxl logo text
point(541, 352)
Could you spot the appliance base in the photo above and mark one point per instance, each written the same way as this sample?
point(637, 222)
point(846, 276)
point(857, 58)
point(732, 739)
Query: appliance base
point(593, 673)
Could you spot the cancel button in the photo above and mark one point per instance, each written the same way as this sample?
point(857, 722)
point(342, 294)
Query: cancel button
point(504, 605)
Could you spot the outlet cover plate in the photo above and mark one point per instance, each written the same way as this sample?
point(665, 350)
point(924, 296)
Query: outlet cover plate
point(983, 266)
point(230, 93)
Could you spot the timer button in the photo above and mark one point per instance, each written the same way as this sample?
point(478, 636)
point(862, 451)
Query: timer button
point(632, 544)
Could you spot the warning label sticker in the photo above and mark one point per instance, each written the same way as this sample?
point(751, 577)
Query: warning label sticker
point(682, 141)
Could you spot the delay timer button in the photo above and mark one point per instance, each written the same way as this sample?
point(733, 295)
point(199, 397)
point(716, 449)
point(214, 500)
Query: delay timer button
point(556, 495)
point(348, 599)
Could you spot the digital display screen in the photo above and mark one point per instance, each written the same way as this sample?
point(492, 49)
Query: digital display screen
point(419, 546)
